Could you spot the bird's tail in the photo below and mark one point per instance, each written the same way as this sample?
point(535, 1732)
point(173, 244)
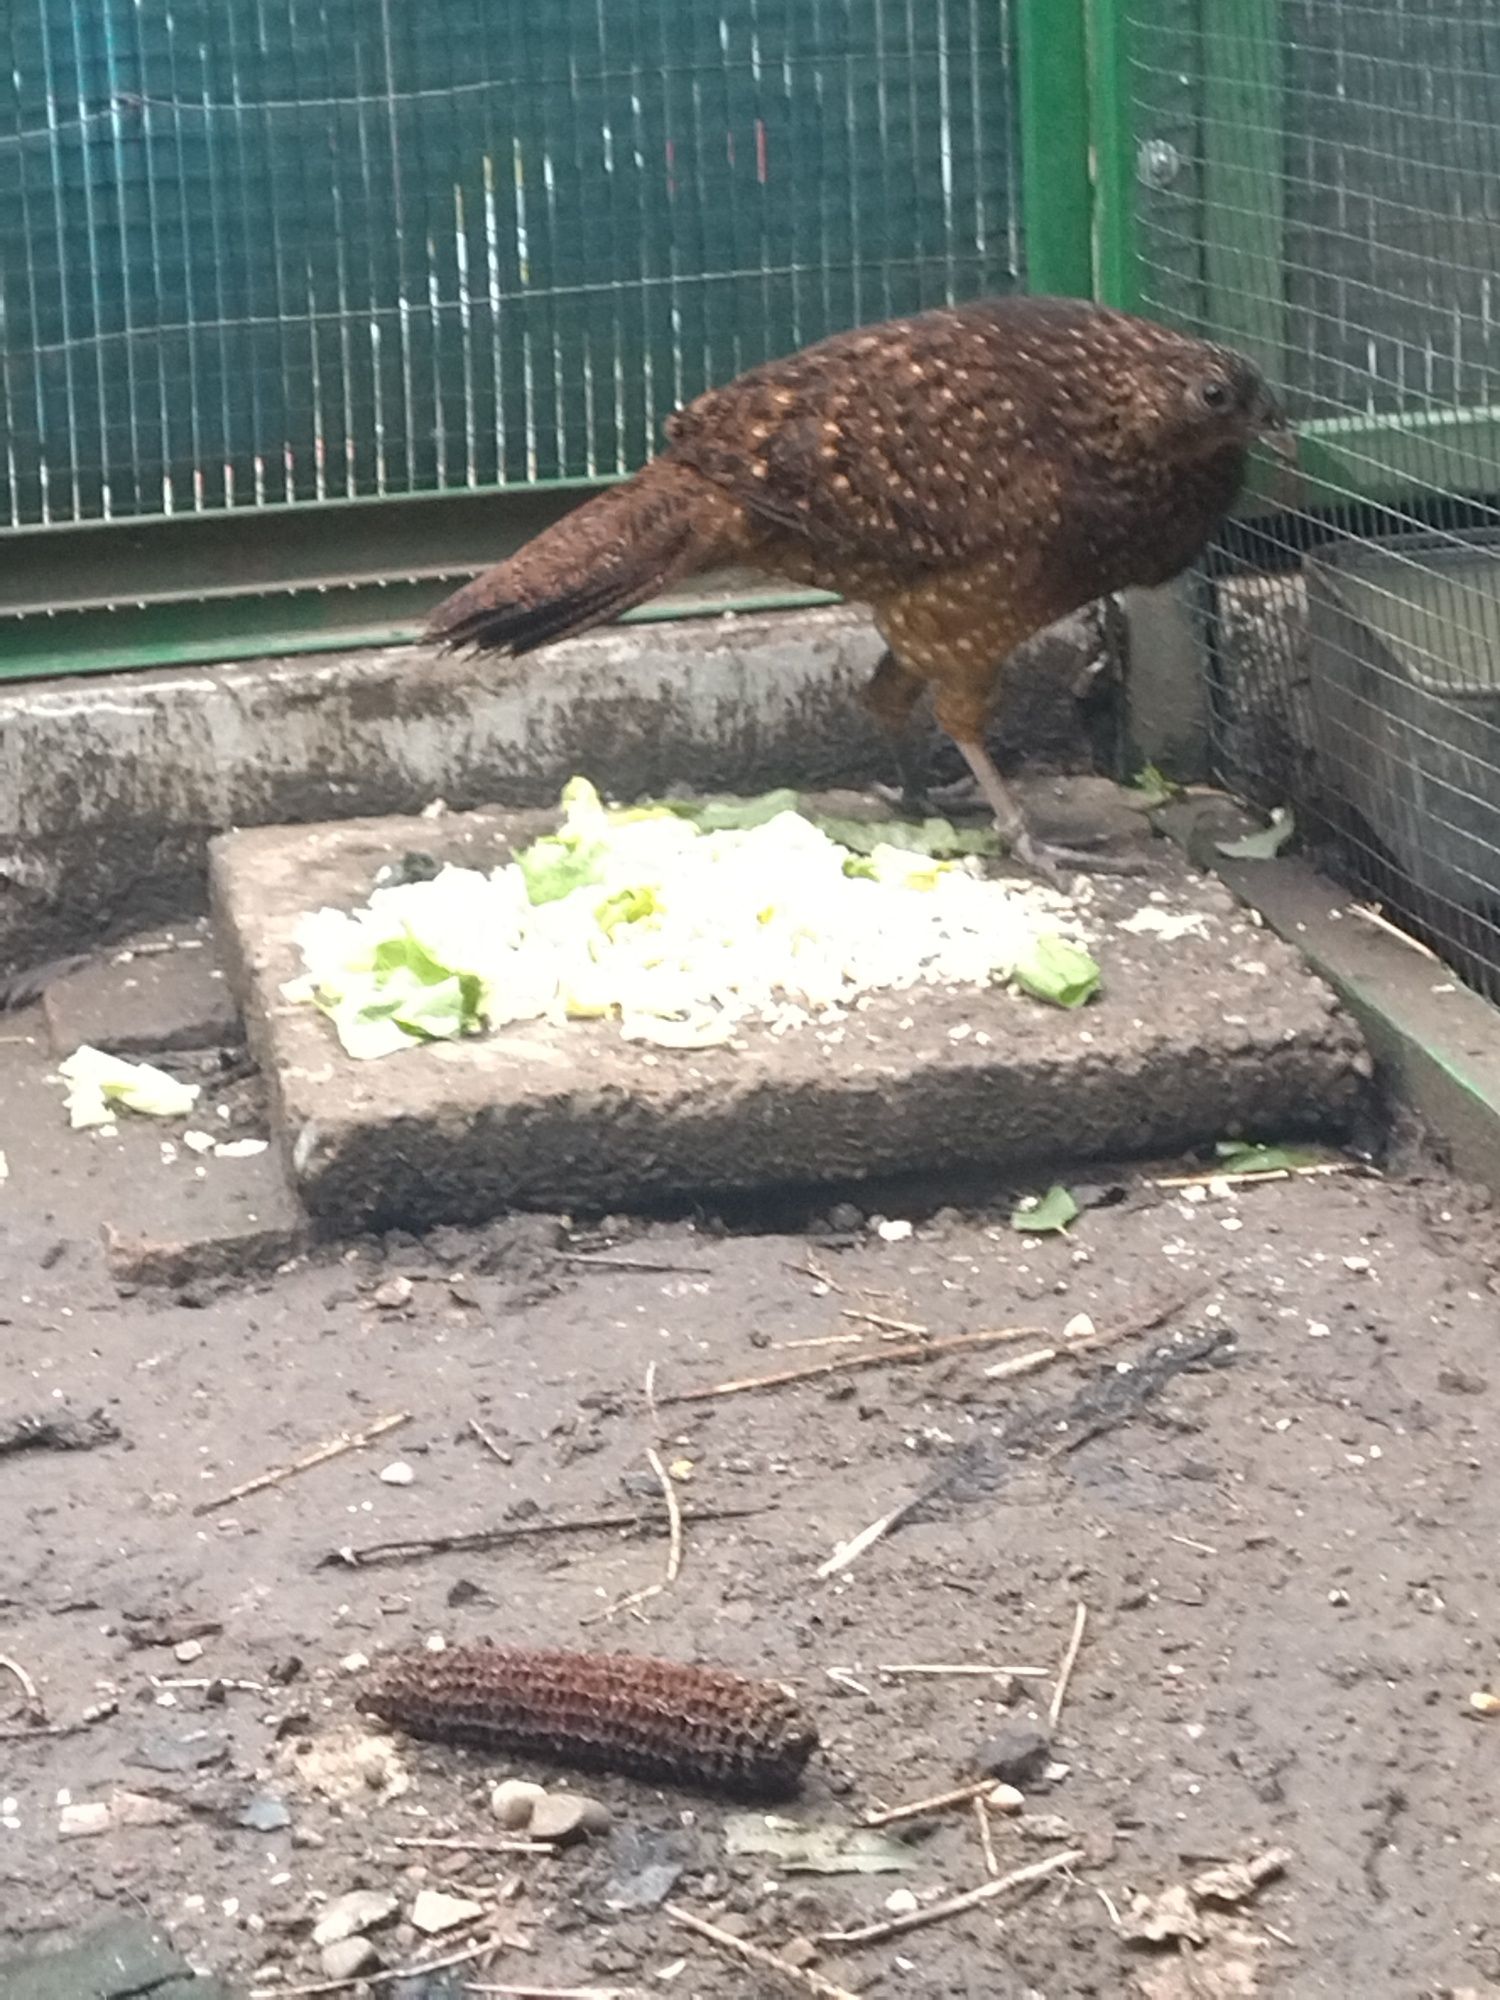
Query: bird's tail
point(618, 549)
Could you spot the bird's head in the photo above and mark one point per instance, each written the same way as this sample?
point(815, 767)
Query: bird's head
point(1210, 399)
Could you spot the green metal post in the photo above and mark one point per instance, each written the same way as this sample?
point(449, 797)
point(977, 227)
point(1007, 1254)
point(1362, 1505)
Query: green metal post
point(1056, 195)
point(1116, 271)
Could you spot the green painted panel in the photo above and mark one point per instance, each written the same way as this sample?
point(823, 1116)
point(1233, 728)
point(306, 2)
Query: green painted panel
point(265, 251)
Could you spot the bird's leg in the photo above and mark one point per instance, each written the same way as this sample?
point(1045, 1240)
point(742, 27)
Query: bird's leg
point(962, 716)
point(890, 695)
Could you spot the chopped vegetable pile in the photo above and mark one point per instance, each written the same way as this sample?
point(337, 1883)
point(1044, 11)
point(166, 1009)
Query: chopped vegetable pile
point(684, 923)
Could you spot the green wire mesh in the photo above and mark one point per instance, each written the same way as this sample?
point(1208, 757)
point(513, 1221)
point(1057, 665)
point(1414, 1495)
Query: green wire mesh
point(1319, 182)
point(260, 251)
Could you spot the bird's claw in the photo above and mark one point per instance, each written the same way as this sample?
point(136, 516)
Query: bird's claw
point(1054, 863)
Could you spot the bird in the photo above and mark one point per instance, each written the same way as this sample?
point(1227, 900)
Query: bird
point(971, 474)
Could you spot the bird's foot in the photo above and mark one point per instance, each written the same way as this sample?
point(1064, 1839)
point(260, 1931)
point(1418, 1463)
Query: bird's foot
point(1054, 863)
point(959, 800)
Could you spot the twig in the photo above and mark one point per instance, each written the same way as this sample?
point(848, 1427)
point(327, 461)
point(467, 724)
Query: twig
point(884, 1321)
point(823, 1340)
point(1250, 1175)
point(808, 1269)
point(986, 1836)
point(464, 1957)
point(333, 1448)
point(674, 1516)
point(1069, 1662)
point(915, 1350)
point(495, 1450)
point(1187, 1542)
point(1367, 913)
point(674, 1532)
point(457, 1845)
point(959, 1795)
point(477, 1540)
point(952, 1906)
point(552, 1992)
point(1143, 1383)
point(36, 1709)
point(754, 1954)
point(849, 1552)
point(603, 1261)
point(985, 1670)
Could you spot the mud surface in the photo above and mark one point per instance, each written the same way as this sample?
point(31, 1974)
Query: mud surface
point(1287, 1556)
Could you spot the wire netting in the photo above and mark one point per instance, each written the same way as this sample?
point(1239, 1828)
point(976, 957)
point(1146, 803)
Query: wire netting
point(260, 251)
point(1319, 183)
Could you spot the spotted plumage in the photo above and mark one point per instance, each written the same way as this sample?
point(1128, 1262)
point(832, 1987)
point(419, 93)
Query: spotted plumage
point(972, 474)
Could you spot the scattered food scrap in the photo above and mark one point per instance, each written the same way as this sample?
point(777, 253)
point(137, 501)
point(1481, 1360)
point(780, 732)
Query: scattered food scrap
point(647, 1718)
point(99, 1084)
point(683, 924)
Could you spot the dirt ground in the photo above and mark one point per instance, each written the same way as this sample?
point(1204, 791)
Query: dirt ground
point(1287, 1558)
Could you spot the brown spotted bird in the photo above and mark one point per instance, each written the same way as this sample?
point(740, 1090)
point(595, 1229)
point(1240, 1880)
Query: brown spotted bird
point(971, 474)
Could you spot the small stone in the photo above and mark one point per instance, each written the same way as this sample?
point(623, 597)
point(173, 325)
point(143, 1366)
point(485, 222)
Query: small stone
point(513, 1802)
point(801, 1952)
point(264, 1814)
point(902, 1903)
point(1079, 1327)
point(82, 1822)
point(354, 1663)
point(562, 1817)
point(894, 1230)
point(1018, 1754)
point(394, 1294)
point(360, 1910)
point(397, 1473)
point(1005, 1799)
point(347, 1958)
point(1484, 1703)
point(188, 1650)
point(433, 1912)
point(844, 1218)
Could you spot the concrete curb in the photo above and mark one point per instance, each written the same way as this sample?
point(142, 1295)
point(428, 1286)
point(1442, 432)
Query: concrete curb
point(111, 786)
point(1436, 1043)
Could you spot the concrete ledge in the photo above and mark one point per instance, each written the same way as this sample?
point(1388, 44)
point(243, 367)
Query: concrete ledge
point(1195, 1038)
point(1436, 1043)
point(112, 785)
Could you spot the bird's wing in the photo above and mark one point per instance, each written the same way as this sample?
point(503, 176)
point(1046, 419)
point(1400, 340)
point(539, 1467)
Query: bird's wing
point(914, 444)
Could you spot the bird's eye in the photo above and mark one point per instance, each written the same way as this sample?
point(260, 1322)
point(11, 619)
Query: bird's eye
point(1214, 393)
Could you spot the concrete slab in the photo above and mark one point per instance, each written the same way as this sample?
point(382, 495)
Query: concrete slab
point(157, 994)
point(162, 1213)
point(1216, 1031)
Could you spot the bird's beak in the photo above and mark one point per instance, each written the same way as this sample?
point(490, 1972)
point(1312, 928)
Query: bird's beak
point(1276, 434)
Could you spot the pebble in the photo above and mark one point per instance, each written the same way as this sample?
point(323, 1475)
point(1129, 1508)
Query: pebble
point(1018, 1754)
point(561, 1817)
point(360, 1910)
point(1005, 1799)
point(393, 1294)
point(187, 1650)
point(901, 1902)
point(397, 1473)
point(348, 1957)
point(513, 1801)
point(433, 1912)
point(80, 1822)
point(895, 1230)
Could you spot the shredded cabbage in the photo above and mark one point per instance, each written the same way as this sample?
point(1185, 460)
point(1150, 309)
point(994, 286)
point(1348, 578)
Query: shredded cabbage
point(683, 926)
